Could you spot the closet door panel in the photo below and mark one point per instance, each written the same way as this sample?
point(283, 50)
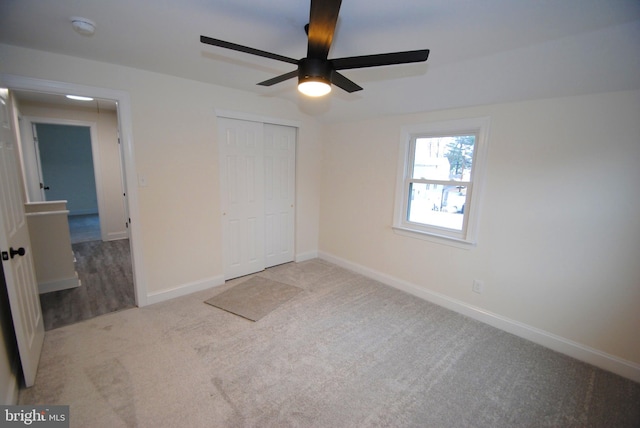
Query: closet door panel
point(242, 191)
point(279, 162)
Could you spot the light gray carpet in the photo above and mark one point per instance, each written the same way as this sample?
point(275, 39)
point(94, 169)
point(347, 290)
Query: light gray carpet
point(347, 352)
point(254, 298)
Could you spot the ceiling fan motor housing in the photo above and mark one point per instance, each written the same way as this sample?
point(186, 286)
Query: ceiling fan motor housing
point(314, 69)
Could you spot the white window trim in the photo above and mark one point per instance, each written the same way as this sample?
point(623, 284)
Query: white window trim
point(478, 126)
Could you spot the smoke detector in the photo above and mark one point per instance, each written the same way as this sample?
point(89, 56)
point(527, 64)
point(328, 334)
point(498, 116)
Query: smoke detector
point(84, 26)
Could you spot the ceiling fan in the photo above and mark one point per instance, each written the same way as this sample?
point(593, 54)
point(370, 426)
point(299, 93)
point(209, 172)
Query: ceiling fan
point(316, 72)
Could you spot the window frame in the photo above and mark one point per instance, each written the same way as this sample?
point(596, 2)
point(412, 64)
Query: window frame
point(467, 237)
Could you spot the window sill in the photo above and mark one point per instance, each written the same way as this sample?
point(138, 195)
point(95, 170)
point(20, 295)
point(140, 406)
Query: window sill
point(439, 239)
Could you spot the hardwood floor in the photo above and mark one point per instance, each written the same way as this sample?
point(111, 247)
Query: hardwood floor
point(106, 276)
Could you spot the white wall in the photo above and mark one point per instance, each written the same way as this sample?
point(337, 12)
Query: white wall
point(559, 234)
point(174, 138)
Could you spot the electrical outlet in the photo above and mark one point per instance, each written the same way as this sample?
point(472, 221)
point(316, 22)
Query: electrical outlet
point(478, 286)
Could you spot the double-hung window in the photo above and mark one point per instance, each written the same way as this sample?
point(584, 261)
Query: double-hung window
point(440, 177)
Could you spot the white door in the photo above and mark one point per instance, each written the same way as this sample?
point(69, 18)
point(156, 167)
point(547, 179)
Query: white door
point(279, 198)
point(242, 191)
point(15, 246)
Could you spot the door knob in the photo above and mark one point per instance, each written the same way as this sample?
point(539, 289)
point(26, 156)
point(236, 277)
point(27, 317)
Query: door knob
point(19, 252)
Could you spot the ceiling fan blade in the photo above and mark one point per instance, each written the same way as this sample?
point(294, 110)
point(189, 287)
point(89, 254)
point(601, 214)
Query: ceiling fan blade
point(245, 49)
point(380, 59)
point(342, 82)
point(323, 18)
point(280, 78)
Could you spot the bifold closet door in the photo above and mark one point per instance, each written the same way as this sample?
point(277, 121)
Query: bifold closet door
point(242, 187)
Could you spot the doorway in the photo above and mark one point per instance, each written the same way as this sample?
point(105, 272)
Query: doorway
point(79, 161)
point(126, 152)
point(74, 153)
point(67, 172)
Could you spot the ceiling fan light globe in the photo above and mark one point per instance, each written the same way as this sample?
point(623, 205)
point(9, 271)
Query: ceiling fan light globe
point(314, 88)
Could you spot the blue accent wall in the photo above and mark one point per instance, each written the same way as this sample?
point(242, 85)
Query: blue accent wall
point(67, 166)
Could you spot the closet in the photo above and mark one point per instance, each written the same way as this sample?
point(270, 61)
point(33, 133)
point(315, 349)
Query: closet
point(257, 183)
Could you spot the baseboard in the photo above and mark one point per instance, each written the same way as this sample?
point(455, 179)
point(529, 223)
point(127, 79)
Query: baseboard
point(61, 284)
point(303, 257)
point(595, 357)
point(184, 290)
point(115, 236)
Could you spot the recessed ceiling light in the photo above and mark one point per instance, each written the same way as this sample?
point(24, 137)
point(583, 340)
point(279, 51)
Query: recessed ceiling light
point(79, 98)
point(84, 26)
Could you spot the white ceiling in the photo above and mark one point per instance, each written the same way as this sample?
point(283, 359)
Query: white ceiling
point(481, 51)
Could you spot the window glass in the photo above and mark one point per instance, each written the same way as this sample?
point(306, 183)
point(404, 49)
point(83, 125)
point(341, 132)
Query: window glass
point(441, 165)
point(437, 205)
point(444, 158)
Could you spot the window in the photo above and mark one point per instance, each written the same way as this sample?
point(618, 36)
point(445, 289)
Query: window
point(440, 174)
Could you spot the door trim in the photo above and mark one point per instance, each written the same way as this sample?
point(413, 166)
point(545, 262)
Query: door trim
point(126, 139)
